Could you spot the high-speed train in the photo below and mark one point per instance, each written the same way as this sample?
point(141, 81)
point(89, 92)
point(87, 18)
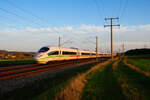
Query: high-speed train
point(48, 53)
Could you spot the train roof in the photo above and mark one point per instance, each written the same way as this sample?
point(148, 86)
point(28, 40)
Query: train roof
point(68, 49)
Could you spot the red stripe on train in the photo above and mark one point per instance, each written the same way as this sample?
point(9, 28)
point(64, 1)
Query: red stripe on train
point(82, 55)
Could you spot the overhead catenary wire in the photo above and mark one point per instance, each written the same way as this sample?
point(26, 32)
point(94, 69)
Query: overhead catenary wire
point(76, 43)
point(123, 7)
point(90, 41)
point(67, 41)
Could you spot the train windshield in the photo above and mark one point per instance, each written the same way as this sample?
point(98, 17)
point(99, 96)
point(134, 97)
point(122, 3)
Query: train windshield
point(44, 49)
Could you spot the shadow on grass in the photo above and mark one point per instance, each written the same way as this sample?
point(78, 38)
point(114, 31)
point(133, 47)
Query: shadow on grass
point(138, 80)
point(16, 62)
point(143, 64)
point(103, 85)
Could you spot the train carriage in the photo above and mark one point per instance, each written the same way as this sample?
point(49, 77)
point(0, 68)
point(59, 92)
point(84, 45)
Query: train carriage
point(46, 54)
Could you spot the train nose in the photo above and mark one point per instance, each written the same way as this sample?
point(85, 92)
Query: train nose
point(37, 56)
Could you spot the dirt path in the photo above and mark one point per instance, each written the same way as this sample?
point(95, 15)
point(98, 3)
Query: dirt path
point(115, 64)
point(74, 89)
point(133, 81)
point(118, 80)
point(135, 68)
point(128, 89)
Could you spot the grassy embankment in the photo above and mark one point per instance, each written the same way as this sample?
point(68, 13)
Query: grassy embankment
point(102, 85)
point(6, 63)
point(117, 83)
point(142, 62)
point(73, 91)
point(45, 89)
point(140, 56)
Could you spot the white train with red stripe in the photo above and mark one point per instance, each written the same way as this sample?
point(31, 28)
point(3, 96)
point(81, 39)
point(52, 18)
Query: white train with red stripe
point(48, 53)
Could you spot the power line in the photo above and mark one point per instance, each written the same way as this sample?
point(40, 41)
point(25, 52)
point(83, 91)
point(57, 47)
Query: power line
point(12, 13)
point(114, 10)
point(25, 11)
point(12, 20)
point(8, 25)
point(124, 8)
point(100, 13)
point(120, 7)
point(103, 10)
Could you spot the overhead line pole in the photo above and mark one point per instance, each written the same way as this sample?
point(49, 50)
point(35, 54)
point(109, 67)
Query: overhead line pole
point(96, 48)
point(59, 44)
point(123, 49)
point(111, 30)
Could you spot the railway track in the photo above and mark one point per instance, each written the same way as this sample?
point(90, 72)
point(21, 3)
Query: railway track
point(28, 70)
point(16, 67)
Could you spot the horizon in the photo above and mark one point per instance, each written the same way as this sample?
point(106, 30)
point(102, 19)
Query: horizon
point(29, 25)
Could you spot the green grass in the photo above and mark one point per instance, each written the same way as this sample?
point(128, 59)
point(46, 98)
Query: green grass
point(139, 56)
point(45, 89)
point(49, 94)
point(16, 62)
point(120, 83)
point(102, 85)
point(135, 86)
point(143, 64)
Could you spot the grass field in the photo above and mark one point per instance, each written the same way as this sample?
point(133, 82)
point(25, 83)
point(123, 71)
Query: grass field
point(103, 85)
point(118, 83)
point(143, 64)
point(134, 85)
point(140, 56)
point(4, 63)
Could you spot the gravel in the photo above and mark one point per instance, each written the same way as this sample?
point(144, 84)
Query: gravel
point(19, 82)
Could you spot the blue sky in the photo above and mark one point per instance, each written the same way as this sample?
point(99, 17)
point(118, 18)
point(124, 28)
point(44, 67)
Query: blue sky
point(72, 19)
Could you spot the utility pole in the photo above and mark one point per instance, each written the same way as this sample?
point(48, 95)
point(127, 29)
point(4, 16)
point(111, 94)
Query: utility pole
point(111, 30)
point(59, 44)
point(96, 48)
point(123, 49)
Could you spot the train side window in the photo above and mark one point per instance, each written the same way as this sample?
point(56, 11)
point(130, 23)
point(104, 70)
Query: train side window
point(85, 53)
point(68, 53)
point(53, 53)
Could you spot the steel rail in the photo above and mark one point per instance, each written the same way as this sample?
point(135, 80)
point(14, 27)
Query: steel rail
point(15, 67)
point(34, 71)
point(39, 69)
point(28, 69)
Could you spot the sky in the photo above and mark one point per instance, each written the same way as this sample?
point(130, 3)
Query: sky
point(28, 25)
